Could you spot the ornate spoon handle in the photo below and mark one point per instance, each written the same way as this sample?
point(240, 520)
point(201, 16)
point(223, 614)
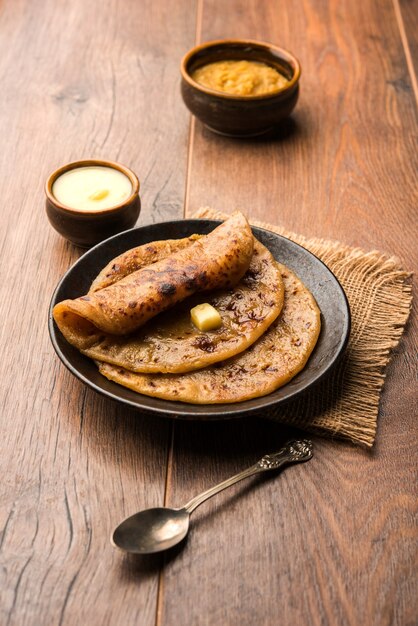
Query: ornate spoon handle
point(292, 452)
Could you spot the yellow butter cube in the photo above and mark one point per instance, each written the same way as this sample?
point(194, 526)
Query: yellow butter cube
point(205, 317)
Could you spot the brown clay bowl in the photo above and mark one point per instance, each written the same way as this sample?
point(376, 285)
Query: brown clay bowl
point(86, 228)
point(236, 115)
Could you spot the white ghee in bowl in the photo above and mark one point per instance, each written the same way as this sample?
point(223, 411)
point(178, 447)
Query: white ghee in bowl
point(92, 188)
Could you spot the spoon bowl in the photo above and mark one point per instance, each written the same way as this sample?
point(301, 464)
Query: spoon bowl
point(152, 530)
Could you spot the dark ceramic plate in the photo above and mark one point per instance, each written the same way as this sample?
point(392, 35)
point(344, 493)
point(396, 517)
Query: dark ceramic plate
point(335, 317)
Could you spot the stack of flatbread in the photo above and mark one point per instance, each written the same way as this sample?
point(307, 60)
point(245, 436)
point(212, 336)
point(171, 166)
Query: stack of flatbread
point(135, 320)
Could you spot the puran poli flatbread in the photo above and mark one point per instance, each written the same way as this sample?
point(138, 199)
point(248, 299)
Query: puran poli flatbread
point(215, 261)
point(137, 258)
point(268, 364)
point(171, 343)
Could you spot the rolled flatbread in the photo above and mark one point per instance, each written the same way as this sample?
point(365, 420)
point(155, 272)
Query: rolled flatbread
point(215, 261)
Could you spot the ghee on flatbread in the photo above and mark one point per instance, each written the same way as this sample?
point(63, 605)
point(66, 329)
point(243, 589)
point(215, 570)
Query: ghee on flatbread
point(136, 258)
point(217, 260)
point(268, 364)
point(170, 342)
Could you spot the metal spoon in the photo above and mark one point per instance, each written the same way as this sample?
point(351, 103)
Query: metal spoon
point(154, 530)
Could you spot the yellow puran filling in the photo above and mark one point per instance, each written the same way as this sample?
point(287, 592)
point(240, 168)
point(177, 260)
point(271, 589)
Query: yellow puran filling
point(242, 78)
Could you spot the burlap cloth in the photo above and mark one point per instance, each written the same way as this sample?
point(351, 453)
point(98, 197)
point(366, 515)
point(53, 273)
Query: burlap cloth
point(346, 403)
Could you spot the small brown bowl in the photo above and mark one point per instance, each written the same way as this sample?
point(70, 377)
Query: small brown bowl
point(86, 228)
point(236, 115)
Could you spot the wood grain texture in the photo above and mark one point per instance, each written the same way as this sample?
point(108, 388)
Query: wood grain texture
point(334, 541)
point(351, 138)
point(330, 542)
point(318, 544)
point(77, 80)
point(408, 10)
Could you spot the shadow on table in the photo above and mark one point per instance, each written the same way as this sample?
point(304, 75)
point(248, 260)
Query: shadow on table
point(143, 566)
point(117, 434)
point(287, 129)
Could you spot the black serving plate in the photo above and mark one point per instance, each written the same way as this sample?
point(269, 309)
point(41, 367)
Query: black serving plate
point(331, 299)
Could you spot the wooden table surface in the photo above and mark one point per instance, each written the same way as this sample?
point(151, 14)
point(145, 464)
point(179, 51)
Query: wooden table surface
point(333, 542)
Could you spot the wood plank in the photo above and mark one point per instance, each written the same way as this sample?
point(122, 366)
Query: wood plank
point(318, 544)
point(350, 138)
point(408, 12)
point(78, 80)
point(333, 541)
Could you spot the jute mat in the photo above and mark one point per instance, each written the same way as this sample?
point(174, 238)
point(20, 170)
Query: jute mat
point(346, 403)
